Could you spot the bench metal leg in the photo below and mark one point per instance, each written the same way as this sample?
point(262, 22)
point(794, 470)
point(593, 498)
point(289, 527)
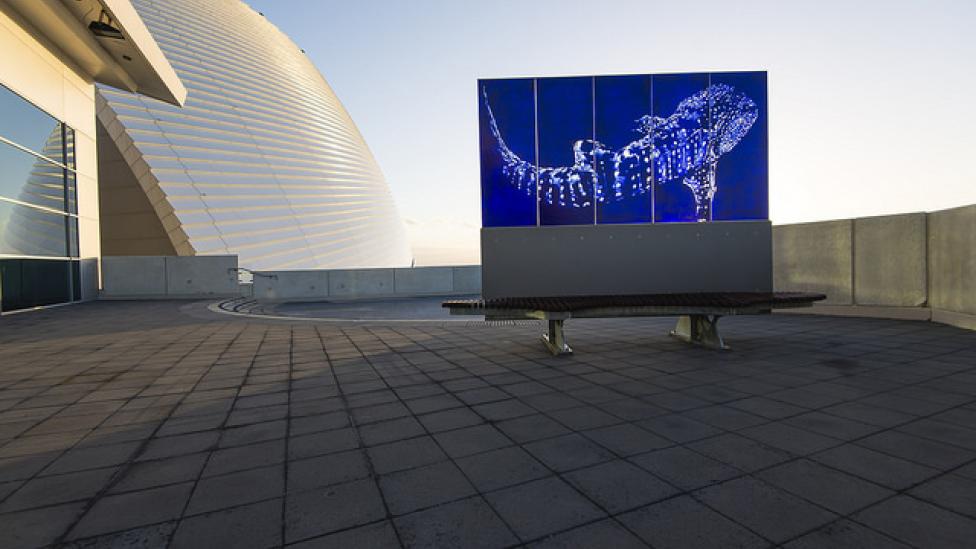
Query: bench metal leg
point(699, 330)
point(555, 339)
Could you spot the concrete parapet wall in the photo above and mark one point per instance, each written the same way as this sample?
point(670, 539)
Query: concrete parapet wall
point(288, 285)
point(169, 277)
point(361, 283)
point(424, 281)
point(349, 284)
point(815, 257)
point(467, 279)
point(889, 260)
point(884, 266)
point(133, 276)
point(952, 260)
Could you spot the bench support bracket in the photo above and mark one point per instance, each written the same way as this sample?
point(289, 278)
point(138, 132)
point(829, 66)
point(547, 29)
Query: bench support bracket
point(555, 338)
point(699, 330)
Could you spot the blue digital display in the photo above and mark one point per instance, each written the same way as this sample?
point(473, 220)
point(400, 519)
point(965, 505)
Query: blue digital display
point(680, 143)
point(624, 149)
point(626, 193)
point(508, 168)
point(742, 175)
point(566, 173)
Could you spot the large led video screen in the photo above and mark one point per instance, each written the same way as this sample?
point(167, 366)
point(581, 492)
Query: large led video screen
point(624, 149)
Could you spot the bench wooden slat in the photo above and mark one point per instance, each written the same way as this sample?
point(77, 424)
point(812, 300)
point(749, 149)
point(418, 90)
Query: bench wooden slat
point(689, 300)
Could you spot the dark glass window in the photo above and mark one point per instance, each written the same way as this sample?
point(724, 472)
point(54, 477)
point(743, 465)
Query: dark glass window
point(31, 179)
point(76, 280)
point(31, 231)
point(11, 281)
point(29, 283)
point(30, 127)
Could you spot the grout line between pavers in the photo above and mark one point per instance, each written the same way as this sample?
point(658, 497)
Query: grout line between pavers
point(842, 442)
point(351, 420)
point(220, 429)
point(552, 474)
point(132, 459)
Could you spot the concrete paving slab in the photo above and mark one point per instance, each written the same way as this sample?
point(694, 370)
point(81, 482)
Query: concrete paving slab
point(285, 431)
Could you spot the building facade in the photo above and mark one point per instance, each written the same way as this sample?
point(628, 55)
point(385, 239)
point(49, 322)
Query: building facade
point(262, 161)
point(53, 53)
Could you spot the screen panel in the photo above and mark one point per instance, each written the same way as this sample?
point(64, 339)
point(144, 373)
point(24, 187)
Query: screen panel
point(737, 109)
point(508, 152)
point(680, 131)
point(566, 174)
point(624, 150)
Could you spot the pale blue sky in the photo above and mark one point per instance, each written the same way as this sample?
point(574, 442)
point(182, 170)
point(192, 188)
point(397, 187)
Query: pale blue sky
point(870, 107)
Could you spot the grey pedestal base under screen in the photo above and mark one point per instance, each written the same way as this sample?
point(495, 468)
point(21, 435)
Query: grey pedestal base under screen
point(721, 256)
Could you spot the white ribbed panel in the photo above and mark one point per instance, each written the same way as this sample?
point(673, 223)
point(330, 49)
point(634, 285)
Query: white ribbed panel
point(263, 161)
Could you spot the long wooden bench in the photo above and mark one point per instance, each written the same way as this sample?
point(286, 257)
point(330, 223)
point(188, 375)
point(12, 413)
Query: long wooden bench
point(698, 312)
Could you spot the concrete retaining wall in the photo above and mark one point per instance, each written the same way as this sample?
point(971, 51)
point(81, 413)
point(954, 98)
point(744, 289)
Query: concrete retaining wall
point(169, 277)
point(917, 265)
point(350, 284)
point(815, 257)
point(952, 260)
point(889, 260)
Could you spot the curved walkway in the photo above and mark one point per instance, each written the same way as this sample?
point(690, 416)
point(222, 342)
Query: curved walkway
point(387, 310)
point(155, 423)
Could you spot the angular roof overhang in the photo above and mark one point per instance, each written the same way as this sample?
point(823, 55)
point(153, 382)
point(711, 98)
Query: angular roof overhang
point(108, 40)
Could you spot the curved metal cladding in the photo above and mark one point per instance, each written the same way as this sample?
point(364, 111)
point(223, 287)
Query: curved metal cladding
point(263, 161)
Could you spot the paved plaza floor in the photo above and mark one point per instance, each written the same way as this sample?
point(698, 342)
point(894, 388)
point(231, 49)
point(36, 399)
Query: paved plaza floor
point(166, 425)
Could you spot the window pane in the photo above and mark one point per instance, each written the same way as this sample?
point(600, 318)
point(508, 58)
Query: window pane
point(30, 179)
point(10, 284)
point(28, 126)
point(31, 231)
point(69, 147)
point(72, 236)
point(72, 192)
point(33, 282)
point(76, 280)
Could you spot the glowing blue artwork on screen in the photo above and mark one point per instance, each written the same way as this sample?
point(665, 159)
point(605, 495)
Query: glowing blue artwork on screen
point(681, 149)
point(508, 191)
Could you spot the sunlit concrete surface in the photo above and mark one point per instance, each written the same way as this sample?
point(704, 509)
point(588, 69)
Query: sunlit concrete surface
point(130, 423)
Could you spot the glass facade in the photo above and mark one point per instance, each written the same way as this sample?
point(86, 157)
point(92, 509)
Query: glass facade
point(38, 207)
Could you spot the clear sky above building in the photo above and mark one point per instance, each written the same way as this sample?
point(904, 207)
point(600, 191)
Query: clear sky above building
point(870, 108)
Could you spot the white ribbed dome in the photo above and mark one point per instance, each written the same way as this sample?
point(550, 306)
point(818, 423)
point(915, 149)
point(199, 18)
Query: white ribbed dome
point(263, 161)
